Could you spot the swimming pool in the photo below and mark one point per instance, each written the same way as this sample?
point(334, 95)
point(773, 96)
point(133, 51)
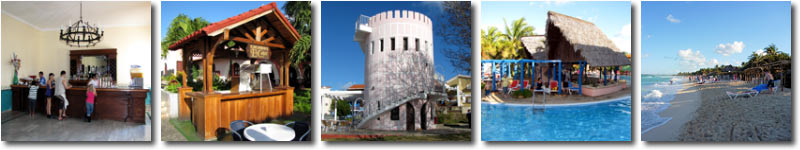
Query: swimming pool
point(603, 121)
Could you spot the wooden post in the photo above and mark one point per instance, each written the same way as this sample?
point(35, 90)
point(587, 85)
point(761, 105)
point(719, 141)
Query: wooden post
point(208, 70)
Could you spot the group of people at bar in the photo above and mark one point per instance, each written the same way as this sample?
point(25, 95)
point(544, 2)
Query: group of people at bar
point(57, 87)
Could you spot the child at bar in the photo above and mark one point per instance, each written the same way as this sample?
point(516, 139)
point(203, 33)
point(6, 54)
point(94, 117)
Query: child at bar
point(91, 92)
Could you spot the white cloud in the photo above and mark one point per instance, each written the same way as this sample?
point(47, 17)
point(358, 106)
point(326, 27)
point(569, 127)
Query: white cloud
point(539, 31)
point(693, 59)
point(672, 19)
point(714, 61)
point(761, 52)
point(623, 38)
point(730, 48)
point(348, 84)
point(645, 56)
point(592, 19)
point(549, 3)
point(556, 2)
point(649, 36)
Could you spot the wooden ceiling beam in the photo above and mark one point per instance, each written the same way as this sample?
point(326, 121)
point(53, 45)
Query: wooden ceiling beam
point(244, 40)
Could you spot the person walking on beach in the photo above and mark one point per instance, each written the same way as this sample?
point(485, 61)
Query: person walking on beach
point(770, 81)
point(61, 90)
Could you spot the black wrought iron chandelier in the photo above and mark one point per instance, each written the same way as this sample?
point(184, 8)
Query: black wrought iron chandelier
point(81, 33)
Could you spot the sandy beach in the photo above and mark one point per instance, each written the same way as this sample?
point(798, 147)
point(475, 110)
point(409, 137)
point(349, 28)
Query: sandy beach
point(705, 113)
point(681, 110)
point(766, 117)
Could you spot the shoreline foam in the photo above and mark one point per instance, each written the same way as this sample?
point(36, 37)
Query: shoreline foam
point(680, 111)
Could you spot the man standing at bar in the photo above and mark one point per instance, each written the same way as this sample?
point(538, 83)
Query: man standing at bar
point(61, 90)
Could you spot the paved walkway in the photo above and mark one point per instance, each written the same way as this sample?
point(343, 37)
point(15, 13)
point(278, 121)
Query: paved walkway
point(438, 131)
point(18, 126)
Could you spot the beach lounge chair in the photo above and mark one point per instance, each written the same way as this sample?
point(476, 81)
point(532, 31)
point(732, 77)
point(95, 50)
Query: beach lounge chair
point(758, 89)
point(734, 95)
point(573, 88)
point(554, 86)
point(526, 84)
point(514, 86)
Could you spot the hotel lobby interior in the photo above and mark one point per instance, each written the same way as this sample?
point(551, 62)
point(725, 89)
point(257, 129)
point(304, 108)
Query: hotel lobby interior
point(107, 40)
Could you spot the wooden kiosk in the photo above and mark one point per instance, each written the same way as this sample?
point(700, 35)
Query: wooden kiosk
point(267, 36)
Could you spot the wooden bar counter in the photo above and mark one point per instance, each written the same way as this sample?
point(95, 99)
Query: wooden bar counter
point(121, 104)
point(213, 112)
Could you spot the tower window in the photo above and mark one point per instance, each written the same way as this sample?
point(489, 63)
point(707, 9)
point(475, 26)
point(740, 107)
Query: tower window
point(392, 44)
point(405, 43)
point(416, 42)
point(372, 47)
point(396, 113)
point(379, 108)
point(381, 45)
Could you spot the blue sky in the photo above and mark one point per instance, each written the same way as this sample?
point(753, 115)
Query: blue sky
point(612, 17)
point(212, 11)
point(686, 36)
point(342, 59)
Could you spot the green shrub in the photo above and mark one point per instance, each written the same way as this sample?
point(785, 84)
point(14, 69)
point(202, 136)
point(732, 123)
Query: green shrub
point(173, 87)
point(523, 93)
point(197, 84)
point(451, 118)
point(302, 101)
point(342, 108)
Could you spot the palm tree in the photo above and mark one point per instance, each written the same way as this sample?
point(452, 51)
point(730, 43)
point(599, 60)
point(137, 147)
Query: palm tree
point(771, 50)
point(299, 13)
point(489, 43)
point(181, 26)
point(518, 29)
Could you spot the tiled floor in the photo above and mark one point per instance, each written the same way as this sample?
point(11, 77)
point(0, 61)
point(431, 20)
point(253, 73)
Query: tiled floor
point(18, 126)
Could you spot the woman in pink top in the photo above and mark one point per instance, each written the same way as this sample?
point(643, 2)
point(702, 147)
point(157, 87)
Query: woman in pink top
point(91, 92)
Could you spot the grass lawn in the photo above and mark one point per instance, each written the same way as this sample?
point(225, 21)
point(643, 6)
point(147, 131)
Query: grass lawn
point(186, 128)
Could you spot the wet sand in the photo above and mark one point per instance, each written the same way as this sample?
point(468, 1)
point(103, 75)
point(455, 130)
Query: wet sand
point(766, 117)
point(681, 110)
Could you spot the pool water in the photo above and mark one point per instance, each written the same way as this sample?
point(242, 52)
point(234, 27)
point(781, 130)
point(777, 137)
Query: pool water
point(604, 121)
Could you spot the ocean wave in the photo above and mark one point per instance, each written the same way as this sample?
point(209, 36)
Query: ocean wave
point(654, 94)
point(660, 92)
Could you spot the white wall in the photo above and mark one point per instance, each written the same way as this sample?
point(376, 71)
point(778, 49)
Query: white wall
point(23, 39)
point(51, 55)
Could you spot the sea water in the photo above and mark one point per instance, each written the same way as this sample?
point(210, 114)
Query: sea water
point(657, 93)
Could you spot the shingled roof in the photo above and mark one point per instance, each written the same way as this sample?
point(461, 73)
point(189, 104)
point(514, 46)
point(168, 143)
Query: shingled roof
point(216, 28)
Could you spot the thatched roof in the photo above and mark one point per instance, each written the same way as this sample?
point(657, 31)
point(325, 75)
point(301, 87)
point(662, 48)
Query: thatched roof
point(535, 46)
point(588, 40)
